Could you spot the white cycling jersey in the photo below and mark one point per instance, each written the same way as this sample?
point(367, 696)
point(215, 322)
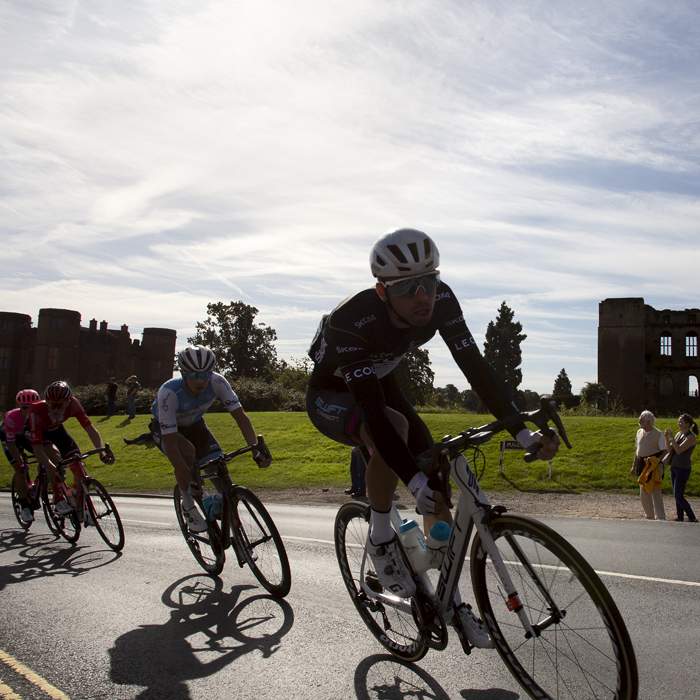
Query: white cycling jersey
point(174, 408)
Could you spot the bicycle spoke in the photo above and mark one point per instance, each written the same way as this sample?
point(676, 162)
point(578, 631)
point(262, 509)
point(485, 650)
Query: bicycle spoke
point(581, 647)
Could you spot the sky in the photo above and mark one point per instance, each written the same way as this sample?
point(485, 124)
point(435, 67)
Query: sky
point(159, 155)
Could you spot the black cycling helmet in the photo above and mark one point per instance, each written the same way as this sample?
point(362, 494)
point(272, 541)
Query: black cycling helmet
point(58, 392)
point(196, 358)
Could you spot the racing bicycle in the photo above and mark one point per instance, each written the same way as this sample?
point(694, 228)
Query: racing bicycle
point(553, 622)
point(244, 525)
point(92, 504)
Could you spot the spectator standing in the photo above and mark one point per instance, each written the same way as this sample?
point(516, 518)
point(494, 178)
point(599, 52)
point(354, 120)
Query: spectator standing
point(681, 448)
point(650, 442)
point(132, 388)
point(357, 474)
point(112, 387)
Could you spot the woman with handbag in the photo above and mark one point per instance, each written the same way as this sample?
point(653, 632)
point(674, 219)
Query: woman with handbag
point(681, 448)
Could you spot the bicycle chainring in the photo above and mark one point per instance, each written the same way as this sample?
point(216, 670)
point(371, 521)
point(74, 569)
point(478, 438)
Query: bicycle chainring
point(429, 621)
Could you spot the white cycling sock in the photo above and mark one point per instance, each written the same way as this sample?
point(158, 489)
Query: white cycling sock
point(187, 500)
point(382, 531)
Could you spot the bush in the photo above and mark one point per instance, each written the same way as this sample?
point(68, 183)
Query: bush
point(258, 395)
point(254, 394)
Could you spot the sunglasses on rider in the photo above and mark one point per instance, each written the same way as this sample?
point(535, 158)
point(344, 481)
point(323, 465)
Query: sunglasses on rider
point(408, 286)
point(56, 405)
point(194, 376)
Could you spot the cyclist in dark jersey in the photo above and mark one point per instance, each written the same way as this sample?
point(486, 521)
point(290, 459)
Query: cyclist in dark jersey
point(353, 396)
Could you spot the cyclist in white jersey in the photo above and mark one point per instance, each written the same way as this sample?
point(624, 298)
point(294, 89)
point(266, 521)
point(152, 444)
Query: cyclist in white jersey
point(179, 428)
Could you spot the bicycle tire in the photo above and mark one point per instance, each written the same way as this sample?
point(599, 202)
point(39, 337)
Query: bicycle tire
point(67, 526)
point(396, 630)
point(588, 652)
point(105, 516)
point(16, 507)
point(205, 546)
point(261, 544)
point(46, 507)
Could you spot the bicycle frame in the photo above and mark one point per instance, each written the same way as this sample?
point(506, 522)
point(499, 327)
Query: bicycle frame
point(473, 510)
point(226, 488)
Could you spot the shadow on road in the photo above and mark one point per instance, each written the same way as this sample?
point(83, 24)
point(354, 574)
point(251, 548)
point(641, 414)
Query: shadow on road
point(208, 629)
point(384, 677)
point(48, 555)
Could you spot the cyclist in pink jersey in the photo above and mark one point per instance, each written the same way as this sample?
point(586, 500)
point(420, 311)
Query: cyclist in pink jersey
point(52, 442)
point(14, 434)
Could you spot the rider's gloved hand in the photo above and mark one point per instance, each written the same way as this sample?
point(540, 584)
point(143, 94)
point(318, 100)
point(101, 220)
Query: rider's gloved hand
point(425, 496)
point(261, 461)
point(547, 447)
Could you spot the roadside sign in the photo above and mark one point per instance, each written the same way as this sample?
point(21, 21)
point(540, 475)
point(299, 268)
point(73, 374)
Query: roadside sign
point(515, 445)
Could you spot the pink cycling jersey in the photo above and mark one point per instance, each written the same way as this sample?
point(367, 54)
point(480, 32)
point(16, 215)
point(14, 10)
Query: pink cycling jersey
point(14, 424)
point(39, 418)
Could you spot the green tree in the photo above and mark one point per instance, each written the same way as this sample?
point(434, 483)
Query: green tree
point(595, 395)
point(415, 377)
point(562, 385)
point(502, 347)
point(243, 348)
point(447, 396)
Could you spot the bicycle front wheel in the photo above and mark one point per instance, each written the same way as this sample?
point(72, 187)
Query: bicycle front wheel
point(104, 515)
point(581, 648)
point(67, 526)
point(261, 543)
point(393, 626)
point(205, 546)
point(16, 507)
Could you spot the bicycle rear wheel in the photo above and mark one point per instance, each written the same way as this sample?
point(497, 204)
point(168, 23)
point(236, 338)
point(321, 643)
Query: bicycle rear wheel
point(16, 507)
point(105, 516)
point(584, 652)
point(261, 543)
point(205, 546)
point(67, 526)
point(393, 626)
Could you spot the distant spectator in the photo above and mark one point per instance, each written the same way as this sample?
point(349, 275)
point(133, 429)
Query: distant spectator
point(650, 442)
point(132, 388)
point(681, 448)
point(112, 387)
point(144, 437)
point(357, 474)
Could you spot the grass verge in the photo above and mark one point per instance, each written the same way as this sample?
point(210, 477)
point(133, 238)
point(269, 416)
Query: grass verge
point(599, 461)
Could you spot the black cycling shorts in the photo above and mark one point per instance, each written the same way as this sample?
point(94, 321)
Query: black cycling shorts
point(205, 444)
point(335, 414)
point(23, 445)
point(62, 440)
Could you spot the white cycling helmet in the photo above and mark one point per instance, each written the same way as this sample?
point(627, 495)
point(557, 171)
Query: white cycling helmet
point(196, 358)
point(405, 252)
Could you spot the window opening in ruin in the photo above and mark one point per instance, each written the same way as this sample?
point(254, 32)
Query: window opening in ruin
point(693, 387)
point(666, 344)
point(691, 344)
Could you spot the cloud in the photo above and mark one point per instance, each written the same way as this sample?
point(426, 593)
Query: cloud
point(159, 156)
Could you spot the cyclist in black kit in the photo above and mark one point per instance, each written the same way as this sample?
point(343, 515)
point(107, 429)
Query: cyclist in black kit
point(353, 396)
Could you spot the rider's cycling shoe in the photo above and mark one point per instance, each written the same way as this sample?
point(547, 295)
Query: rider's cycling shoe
point(63, 507)
point(26, 515)
point(195, 521)
point(472, 627)
point(391, 569)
